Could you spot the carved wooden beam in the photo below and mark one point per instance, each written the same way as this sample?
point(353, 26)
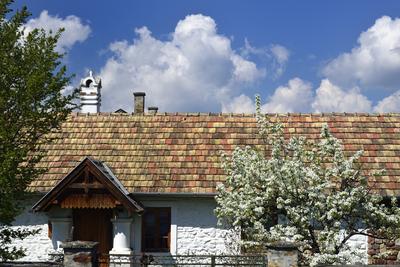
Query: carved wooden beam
point(87, 186)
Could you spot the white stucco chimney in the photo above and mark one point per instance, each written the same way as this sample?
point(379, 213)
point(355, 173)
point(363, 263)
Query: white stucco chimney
point(90, 94)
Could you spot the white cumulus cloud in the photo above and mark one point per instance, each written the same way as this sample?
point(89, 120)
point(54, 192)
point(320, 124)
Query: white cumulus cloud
point(276, 56)
point(331, 98)
point(389, 104)
point(74, 30)
point(299, 96)
point(239, 104)
point(374, 62)
point(295, 97)
point(195, 70)
point(281, 55)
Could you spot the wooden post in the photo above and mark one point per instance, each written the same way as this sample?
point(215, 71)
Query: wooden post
point(265, 261)
point(213, 261)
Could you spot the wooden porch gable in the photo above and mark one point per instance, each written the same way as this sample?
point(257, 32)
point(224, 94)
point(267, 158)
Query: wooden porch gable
point(91, 184)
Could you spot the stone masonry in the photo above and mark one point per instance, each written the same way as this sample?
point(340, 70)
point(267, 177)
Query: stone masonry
point(391, 251)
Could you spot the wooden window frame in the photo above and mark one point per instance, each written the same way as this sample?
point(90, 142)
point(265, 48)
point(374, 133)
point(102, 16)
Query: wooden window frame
point(49, 229)
point(157, 211)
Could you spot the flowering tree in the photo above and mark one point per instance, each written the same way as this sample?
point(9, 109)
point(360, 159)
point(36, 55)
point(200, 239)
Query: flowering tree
point(305, 192)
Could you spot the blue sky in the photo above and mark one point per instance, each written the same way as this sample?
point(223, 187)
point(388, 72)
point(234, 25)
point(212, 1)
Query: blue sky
point(300, 56)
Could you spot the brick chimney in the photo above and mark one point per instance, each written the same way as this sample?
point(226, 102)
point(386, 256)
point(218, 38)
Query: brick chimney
point(90, 94)
point(139, 102)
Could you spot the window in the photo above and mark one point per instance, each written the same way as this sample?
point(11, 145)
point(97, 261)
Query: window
point(156, 230)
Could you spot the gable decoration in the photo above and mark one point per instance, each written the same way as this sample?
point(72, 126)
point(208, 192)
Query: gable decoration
point(91, 184)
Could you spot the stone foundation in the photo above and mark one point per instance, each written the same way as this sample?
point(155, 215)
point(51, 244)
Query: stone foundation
point(80, 253)
point(37, 246)
point(282, 255)
point(377, 246)
point(30, 264)
point(204, 241)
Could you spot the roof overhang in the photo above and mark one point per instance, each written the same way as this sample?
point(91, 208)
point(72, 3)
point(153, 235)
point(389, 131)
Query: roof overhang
point(173, 195)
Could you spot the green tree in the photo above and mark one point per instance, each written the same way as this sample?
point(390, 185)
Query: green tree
point(31, 106)
point(320, 197)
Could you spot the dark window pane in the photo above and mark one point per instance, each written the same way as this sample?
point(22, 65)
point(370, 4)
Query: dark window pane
point(150, 219)
point(156, 227)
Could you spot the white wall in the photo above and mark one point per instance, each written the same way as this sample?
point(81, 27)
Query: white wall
point(359, 244)
point(38, 246)
point(194, 228)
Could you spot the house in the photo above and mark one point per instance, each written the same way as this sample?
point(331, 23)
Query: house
point(145, 182)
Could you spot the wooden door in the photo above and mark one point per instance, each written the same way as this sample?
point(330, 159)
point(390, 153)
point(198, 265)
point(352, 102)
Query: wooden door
point(94, 225)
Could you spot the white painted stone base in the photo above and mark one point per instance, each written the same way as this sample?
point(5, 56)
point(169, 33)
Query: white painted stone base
point(121, 236)
point(360, 244)
point(38, 246)
point(121, 259)
point(194, 229)
point(204, 241)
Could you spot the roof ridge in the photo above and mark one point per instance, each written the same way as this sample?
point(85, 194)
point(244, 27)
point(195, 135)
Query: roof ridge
point(231, 114)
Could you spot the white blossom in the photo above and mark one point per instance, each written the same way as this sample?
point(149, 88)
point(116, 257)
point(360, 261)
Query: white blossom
point(319, 196)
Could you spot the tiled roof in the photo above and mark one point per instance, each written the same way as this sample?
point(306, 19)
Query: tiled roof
point(180, 153)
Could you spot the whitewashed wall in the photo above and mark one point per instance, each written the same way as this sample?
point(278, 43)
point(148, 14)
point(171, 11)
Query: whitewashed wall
point(38, 246)
point(359, 244)
point(194, 230)
point(194, 227)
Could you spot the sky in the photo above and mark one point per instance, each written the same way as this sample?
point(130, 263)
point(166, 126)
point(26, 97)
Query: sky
point(215, 56)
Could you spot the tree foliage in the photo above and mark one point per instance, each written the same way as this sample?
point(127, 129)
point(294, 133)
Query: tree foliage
point(320, 197)
point(32, 105)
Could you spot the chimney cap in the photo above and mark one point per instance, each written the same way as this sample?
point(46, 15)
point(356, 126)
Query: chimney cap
point(120, 110)
point(153, 110)
point(139, 94)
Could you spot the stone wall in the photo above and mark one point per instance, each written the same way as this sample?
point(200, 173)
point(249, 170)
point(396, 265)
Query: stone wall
point(197, 241)
point(283, 255)
point(38, 246)
point(198, 232)
point(360, 244)
point(391, 249)
point(30, 264)
point(194, 230)
point(194, 227)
